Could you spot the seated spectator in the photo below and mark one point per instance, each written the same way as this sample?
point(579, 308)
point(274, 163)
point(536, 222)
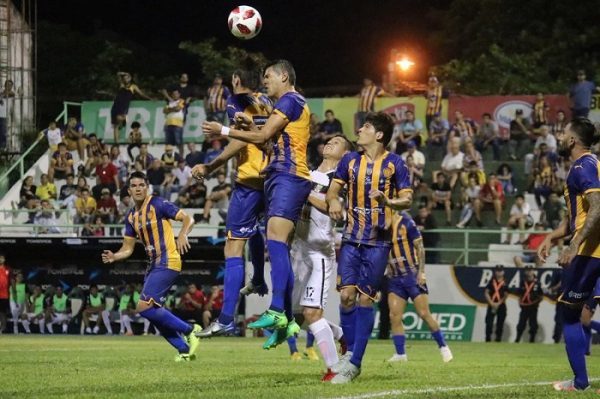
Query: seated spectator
point(125, 205)
point(425, 221)
point(183, 175)
point(452, 164)
point(170, 158)
point(471, 154)
point(156, 175)
point(95, 149)
point(106, 207)
point(45, 219)
point(194, 157)
point(191, 305)
point(82, 183)
point(418, 156)
point(213, 306)
point(135, 139)
point(66, 197)
point(423, 195)
point(74, 137)
point(470, 195)
point(98, 227)
point(410, 130)
point(506, 178)
point(168, 186)
point(553, 211)
point(54, 136)
point(314, 124)
point(120, 162)
point(472, 170)
point(491, 194)
point(46, 190)
point(531, 245)
point(545, 145)
point(463, 128)
point(489, 134)
point(520, 217)
point(107, 176)
point(183, 201)
point(216, 148)
point(558, 128)
point(27, 191)
point(219, 198)
point(415, 173)
point(442, 196)
point(520, 129)
point(61, 163)
point(196, 193)
point(144, 158)
point(331, 126)
point(438, 131)
point(85, 207)
point(545, 181)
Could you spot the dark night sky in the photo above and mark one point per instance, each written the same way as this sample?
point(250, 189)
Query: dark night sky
point(329, 42)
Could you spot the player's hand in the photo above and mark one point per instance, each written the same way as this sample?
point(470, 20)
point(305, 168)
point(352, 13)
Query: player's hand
point(199, 172)
point(378, 196)
point(567, 255)
point(421, 280)
point(335, 210)
point(211, 128)
point(182, 244)
point(108, 256)
point(544, 249)
point(243, 121)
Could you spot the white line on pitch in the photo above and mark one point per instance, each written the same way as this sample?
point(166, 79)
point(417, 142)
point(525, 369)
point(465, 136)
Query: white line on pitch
point(57, 349)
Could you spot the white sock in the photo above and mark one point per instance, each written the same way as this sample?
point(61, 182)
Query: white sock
point(51, 328)
point(336, 330)
point(126, 321)
point(42, 324)
point(96, 329)
point(106, 320)
point(324, 338)
point(146, 326)
point(26, 324)
point(65, 328)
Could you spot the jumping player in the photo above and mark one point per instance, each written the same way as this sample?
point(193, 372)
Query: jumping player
point(149, 220)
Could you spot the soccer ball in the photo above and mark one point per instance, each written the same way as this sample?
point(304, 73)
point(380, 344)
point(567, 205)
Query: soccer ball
point(244, 22)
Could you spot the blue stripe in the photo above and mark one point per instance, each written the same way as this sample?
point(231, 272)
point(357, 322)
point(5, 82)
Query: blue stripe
point(150, 236)
point(161, 238)
point(287, 160)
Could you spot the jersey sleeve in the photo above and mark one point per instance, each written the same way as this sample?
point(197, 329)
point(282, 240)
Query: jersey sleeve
point(587, 177)
point(401, 175)
point(412, 231)
point(232, 108)
point(341, 172)
point(168, 209)
point(289, 108)
point(129, 230)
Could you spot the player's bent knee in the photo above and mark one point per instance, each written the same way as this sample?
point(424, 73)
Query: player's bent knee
point(312, 315)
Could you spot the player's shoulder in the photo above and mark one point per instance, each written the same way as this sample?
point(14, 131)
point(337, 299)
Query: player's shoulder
point(292, 98)
point(585, 164)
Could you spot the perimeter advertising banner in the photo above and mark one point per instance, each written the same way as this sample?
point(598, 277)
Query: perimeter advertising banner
point(456, 322)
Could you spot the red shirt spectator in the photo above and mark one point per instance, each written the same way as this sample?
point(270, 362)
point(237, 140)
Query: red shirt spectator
point(193, 295)
point(4, 281)
point(107, 173)
point(488, 192)
point(217, 301)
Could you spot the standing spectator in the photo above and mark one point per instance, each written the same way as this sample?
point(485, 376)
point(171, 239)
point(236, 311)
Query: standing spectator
point(219, 197)
point(410, 130)
point(530, 295)
point(531, 245)
point(45, 219)
point(463, 128)
point(174, 120)
point(331, 126)
point(540, 111)
point(106, 207)
point(519, 133)
point(435, 93)
point(85, 207)
point(95, 149)
point(46, 190)
point(185, 90)
point(580, 95)
point(54, 136)
point(107, 176)
point(438, 133)
point(194, 157)
point(520, 217)
point(491, 193)
point(553, 211)
point(61, 163)
point(470, 195)
point(489, 134)
point(496, 293)
point(215, 102)
point(5, 284)
point(545, 181)
point(366, 102)
point(135, 139)
point(425, 222)
point(74, 137)
point(6, 110)
point(120, 162)
point(418, 156)
point(120, 108)
point(216, 148)
point(505, 175)
point(442, 196)
point(144, 158)
point(170, 158)
point(558, 128)
point(452, 164)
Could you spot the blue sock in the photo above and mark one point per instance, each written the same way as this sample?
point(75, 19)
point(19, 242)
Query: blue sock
point(575, 343)
point(161, 317)
point(439, 338)
point(288, 305)
point(587, 331)
point(310, 339)
point(348, 324)
point(174, 339)
point(365, 319)
point(280, 270)
point(234, 279)
point(399, 341)
point(292, 344)
point(595, 325)
point(256, 245)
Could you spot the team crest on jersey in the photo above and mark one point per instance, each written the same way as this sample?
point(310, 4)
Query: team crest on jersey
point(388, 172)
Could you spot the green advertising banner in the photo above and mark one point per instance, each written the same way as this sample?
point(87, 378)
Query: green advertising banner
point(456, 321)
point(95, 115)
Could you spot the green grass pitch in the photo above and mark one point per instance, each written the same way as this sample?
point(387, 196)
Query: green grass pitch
point(143, 367)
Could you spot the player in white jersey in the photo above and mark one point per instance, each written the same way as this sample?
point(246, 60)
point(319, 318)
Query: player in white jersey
point(313, 254)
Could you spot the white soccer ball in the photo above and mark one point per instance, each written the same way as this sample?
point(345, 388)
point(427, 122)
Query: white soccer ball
point(244, 22)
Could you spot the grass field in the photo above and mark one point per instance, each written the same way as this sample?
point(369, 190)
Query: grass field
point(143, 367)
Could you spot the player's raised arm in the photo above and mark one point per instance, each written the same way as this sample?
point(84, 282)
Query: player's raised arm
point(182, 241)
point(274, 124)
point(232, 149)
point(123, 253)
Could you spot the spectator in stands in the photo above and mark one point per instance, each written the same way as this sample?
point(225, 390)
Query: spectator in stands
point(410, 130)
point(438, 131)
point(35, 311)
point(215, 101)
point(106, 207)
point(216, 148)
point(120, 162)
point(519, 218)
point(194, 157)
point(331, 126)
point(45, 218)
point(491, 194)
point(95, 149)
point(124, 206)
point(553, 211)
point(170, 158)
point(545, 181)
point(183, 175)
point(366, 102)
point(470, 195)
point(452, 164)
point(530, 245)
point(98, 227)
point(425, 222)
point(61, 163)
point(213, 305)
point(46, 190)
point(418, 156)
point(415, 173)
point(191, 305)
point(144, 158)
point(183, 201)
point(442, 196)
point(95, 304)
point(520, 129)
point(463, 128)
point(471, 156)
point(85, 207)
point(218, 198)
point(580, 95)
point(74, 137)
point(530, 295)
point(174, 119)
point(168, 186)
point(66, 196)
point(539, 111)
point(120, 108)
point(472, 170)
point(107, 176)
point(434, 95)
point(558, 128)
point(506, 178)
point(496, 293)
point(544, 138)
point(489, 134)
point(156, 175)
point(6, 109)
point(135, 139)
point(54, 136)
point(314, 125)
point(82, 183)
point(26, 194)
point(186, 91)
point(196, 193)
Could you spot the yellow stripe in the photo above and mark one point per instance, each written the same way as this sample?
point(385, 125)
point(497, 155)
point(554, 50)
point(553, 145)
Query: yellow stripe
point(591, 190)
point(350, 195)
point(278, 112)
point(144, 228)
point(375, 182)
point(396, 245)
point(406, 246)
point(360, 195)
point(155, 234)
point(387, 191)
point(581, 213)
point(173, 257)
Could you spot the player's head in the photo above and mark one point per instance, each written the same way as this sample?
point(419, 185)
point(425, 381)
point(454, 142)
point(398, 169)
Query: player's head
point(218, 81)
point(126, 77)
point(244, 80)
point(37, 290)
point(135, 125)
point(19, 277)
point(59, 290)
point(175, 94)
point(93, 289)
point(336, 147)
point(278, 77)
point(137, 186)
point(329, 115)
point(580, 134)
point(184, 78)
point(378, 128)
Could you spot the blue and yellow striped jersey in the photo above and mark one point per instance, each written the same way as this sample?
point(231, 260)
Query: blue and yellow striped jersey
point(368, 221)
point(404, 260)
point(251, 160)
point(152, 226)
point(289, 150)
point(583, 178)
point(366, 103)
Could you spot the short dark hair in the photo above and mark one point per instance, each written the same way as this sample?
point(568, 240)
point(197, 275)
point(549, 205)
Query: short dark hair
point(137, 175)
point(83, 190)
point(92, 135)
point(135, 125)
point(520, 196)
point(349, 144)
point(487, 114)
point(328, 111)
point(382, 122)
point(70, 175)
point(283, 66)
point(585, 131)
point(62, 145)
point(248, 77)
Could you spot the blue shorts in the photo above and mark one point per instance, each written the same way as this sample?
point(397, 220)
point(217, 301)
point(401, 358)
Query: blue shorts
point(579, 280)
point(406, 287)
point(362, 266)
point(286, 195)
point(173, 135)
point(592, 301)
point(245, 207)
point(157, 283)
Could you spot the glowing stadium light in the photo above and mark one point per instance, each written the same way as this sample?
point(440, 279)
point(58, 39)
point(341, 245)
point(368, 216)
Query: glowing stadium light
point(405, 64)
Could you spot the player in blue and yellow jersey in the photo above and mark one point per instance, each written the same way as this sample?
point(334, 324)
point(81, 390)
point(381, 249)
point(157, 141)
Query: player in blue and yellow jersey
point(149, 221)
point(247, 200)
point(377, 184)
point(287, 184)
point(406, 275)
point(581, 259)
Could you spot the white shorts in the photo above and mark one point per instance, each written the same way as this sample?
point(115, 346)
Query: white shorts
point(34, 317)
point(60, 318)
point(313, 271)
point(16, 309)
